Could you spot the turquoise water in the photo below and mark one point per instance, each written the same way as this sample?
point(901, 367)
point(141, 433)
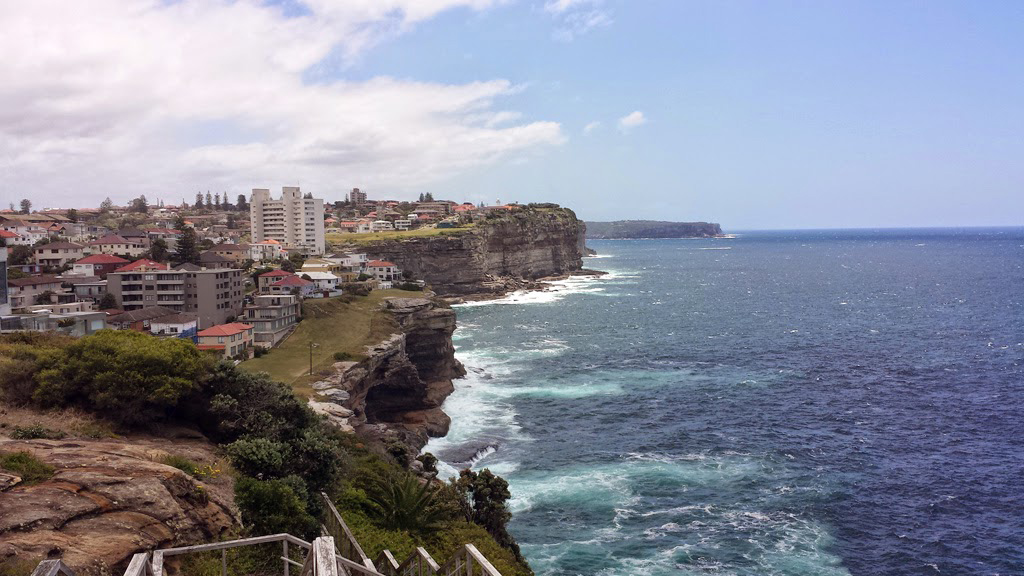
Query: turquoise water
point(779, 403)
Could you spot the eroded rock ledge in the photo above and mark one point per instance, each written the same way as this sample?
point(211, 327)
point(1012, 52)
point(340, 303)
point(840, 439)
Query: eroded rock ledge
point(397, 391)
point(110, 499)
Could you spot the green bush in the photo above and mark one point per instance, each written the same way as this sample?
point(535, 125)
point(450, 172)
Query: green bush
point(31, 469)
point(181, 463)
point(274, 506)
point(400, 501)
point(342, 356)
point(36, 431)
point(258, 457)
point(129, 377)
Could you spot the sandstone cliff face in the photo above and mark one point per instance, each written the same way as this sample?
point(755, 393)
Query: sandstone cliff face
point(494, 256)
point(108, 500)
point(398, 390)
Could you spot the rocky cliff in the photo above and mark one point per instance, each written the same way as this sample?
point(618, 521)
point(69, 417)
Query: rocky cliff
point(110, 499)
point(397, 391)
point(502, 252)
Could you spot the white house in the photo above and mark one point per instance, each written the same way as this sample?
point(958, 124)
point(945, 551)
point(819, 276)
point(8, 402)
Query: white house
point(323, 280)
point(381, 226)
point(383, 270)
point(403, 224)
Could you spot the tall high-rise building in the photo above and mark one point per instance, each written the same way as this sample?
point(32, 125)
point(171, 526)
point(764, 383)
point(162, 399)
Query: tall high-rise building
point(357, 197)
point(294, 221)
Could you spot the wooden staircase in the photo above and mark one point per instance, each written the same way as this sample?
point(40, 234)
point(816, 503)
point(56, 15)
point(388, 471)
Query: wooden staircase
point(335, 553)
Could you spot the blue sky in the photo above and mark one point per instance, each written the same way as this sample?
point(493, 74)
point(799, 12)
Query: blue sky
point(756, 115)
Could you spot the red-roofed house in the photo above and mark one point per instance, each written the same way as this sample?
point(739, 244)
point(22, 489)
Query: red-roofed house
point(98, 265)
point(265, 280)
point(230, 339)
point(288, 284)
point(143, 265)
point(383, 270)
point(114, 244)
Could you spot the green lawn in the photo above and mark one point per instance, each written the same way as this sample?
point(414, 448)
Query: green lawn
point(361, 239)
point(334, 326)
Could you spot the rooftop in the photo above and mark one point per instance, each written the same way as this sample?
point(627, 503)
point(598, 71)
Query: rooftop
point(225, 329)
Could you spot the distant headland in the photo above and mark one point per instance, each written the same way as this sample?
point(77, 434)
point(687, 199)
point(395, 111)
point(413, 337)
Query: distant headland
point(652, 229)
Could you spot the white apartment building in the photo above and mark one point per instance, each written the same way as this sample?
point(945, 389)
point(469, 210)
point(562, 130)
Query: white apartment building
point(294, 221)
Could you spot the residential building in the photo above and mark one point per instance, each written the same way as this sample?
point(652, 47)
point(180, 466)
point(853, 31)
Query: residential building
point(263, 281)
point(8, 238)
point(27, 234)
point(214, 261)
point(116, 244)
point(73, 324)
point(98, 265)
point(383, 270)
point(5, 303)
point(234, 253)
point(272, 317)
point(266, 251)
point(291, 284)
point(213, 295)
point(142, 265)
point(323, 280)
point(403, 224)
point(24, 291)
point(230, 339)
point(357, 197)
point(139, 320)
point(294, 221)
point(182, 325)
point(61, 308)
point(381, 226)
point(91, 291)
point(168, 235)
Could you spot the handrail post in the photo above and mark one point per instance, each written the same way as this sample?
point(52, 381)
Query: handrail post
point(224, 562)
point(284, 548)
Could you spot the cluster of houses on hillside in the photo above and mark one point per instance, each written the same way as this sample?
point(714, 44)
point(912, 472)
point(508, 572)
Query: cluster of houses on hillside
point(251, 266)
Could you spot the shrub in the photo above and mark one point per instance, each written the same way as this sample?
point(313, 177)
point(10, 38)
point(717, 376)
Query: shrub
point(410, 287)
point(342, 356)
point(36, 431)
point(401, 502)
point(274, 506)
point(129, 377)
point(258, 457)
point(181, 463)
point(24, 464)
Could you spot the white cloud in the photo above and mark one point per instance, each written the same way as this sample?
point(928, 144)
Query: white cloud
point(632, 120)
point(121, 97)
point(591, 127)
point(577, 17)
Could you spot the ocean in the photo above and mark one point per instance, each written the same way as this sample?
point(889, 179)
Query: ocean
point(797, 403)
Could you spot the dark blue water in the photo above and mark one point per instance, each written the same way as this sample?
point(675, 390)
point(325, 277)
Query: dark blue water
point(779, 403)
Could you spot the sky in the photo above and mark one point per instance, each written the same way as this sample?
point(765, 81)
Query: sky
point(755, 114)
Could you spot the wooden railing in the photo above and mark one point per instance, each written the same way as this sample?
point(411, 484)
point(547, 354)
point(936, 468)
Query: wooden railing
point(348, 547)
point(323, 558)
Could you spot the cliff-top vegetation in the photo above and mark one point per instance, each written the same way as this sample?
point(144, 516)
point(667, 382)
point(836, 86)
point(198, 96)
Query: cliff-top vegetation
point(343, 326)
point(282, 454)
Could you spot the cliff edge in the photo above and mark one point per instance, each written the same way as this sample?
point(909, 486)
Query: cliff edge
point(397, 391)
point(507, 250)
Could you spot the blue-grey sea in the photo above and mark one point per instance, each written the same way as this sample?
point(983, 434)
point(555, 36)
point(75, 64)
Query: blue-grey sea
point(798, 403)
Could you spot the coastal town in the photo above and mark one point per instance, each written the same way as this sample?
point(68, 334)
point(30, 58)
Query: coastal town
point(229, 276)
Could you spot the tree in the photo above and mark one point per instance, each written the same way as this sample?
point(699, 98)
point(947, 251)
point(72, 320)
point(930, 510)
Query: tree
point(297, 260)
point(225, 205)
point(421, 197)
point(488, 493)
point(26, 206)
point(20, 255)
point(428, 197)
point(140, 205)
point(106, 205)
point(107, 302)
point(216, 201)
point(231, 221)
point(73, 215)
point(209, 201)
point(199, 200)
point(158, 250)
point(288, 266)
point(127, 376)
point(242, 204)
point(187, 249)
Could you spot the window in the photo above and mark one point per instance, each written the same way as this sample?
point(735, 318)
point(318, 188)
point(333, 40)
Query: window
point(220, 339)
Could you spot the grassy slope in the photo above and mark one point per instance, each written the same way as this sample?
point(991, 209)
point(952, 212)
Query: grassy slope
point(334, 325)
point(362, 239)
